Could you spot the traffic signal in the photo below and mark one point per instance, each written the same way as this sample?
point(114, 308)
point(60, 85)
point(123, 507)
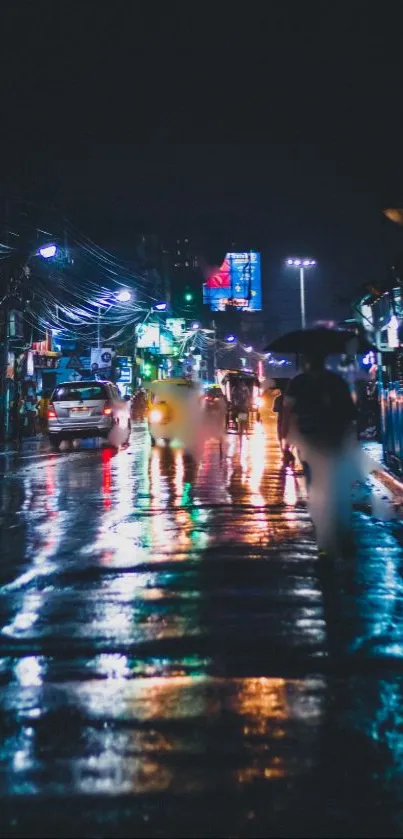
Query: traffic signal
point(147, 370)
point(188, 296)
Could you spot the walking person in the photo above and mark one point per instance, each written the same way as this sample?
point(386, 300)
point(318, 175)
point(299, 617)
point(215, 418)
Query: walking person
point(277, 408)
point(318, 418)
point(31, 411)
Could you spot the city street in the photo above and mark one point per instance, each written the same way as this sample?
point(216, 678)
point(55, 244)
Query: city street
point(175, 661)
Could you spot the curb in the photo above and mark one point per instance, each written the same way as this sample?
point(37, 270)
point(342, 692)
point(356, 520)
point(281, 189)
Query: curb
point(389, 480)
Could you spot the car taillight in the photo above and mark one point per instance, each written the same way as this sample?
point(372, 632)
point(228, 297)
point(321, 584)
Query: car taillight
point(107, 411)
point(51, 413)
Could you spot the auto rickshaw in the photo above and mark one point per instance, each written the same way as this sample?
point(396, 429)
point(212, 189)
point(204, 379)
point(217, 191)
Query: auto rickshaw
point(174, 411)
point(242, 412)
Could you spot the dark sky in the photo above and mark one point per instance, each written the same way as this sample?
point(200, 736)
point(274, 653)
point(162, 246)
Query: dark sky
point(288, 121)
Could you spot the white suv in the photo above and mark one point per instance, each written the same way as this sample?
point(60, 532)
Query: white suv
point(86, 409)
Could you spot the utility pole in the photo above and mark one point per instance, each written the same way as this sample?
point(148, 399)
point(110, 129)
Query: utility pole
point(4, 356)
point(12, 302)
point(302, 296)
point(302, 265)
point(99, 328)
point(134, 365)
point(214, 350)
point(4, 424)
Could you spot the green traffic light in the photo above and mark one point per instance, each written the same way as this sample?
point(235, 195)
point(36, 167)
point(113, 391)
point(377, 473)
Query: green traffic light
point(188, 297)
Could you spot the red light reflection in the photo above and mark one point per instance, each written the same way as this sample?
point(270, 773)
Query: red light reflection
point(106, 455)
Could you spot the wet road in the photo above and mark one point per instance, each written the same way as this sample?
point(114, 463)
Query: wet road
point(175, 662)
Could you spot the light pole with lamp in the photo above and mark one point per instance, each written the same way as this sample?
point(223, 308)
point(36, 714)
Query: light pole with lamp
point(123, 296)
point(303, 265)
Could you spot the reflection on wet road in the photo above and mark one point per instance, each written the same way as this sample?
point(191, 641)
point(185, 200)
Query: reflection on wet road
point(173, 657)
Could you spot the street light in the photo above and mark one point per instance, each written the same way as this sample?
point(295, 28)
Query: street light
point(123, 296)
point(230, 339)
point(248, 349)
point(195, 325)
point(47, 251)
point(302, 265)
point(160, 307)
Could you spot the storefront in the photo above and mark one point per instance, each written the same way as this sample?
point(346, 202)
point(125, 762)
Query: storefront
point(382, 318)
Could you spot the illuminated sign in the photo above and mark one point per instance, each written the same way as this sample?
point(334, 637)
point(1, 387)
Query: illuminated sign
point(148, 336)
point(15, 324)
point(101, 358)
point(236, 285)
point(123, 372)
point(393, 332)
point(30, 363)
point(177, 326)
point(166, 343)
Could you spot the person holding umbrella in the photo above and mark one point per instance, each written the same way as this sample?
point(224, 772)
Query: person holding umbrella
point(318, 418)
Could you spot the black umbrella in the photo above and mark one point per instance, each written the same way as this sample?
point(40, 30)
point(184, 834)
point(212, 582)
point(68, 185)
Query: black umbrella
point(280, 383)
point(321, 341)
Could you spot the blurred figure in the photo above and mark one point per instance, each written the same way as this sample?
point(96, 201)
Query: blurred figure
point(241, 398)
point(215, 413)
point(43, 404)
point(278, 406)
point(138, 408)
point(318, 418)
point(30, 410)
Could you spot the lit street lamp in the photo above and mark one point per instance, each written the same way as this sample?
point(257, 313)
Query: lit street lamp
point(302, 265)
point(47, 251)
point(123, 296)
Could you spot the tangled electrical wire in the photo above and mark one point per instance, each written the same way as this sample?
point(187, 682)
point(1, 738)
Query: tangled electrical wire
point(77, 293)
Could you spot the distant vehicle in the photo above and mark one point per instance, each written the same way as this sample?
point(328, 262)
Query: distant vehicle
point(215, 412)
point(87, 409)
point(242, 391)
point(214, 401)
point(213, 394)
point(174, 412)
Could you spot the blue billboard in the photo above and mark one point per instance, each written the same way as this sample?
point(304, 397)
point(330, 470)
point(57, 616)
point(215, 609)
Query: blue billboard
point(236, 286)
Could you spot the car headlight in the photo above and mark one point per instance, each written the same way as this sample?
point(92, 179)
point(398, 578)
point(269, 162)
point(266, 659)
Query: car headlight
point(155, 415)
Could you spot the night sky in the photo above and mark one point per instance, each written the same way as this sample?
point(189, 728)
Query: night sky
point(286, 122)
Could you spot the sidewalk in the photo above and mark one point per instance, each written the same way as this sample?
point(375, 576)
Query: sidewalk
point(382, 472)
point(28, 446)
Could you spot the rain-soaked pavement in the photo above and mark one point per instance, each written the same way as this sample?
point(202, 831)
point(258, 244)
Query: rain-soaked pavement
point(175, 662)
